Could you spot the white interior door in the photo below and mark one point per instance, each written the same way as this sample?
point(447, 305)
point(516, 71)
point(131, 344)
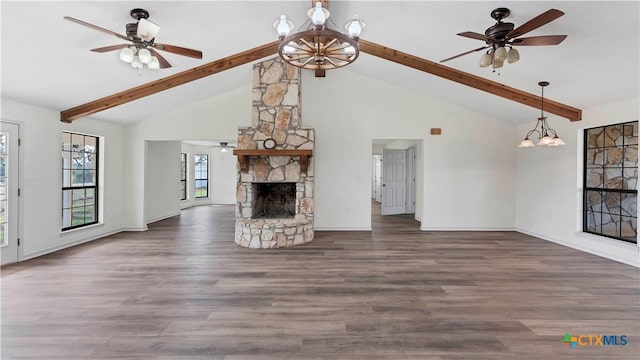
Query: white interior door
point(8, 192)
point(394, 182)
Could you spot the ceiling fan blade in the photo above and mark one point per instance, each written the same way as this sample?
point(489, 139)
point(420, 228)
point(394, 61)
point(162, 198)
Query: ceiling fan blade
point(539, 40)
point(95, 27)
point(179, 50)
point(465, 53)
point(473, 35)
point(542, 19)
point(110, 48)
point(164, 64)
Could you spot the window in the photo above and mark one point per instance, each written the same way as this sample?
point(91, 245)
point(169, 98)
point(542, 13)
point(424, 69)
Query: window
point(79, 180)
point(183, 177)
point(201, 162)
point(610, 181)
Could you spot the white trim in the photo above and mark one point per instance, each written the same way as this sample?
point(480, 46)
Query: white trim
point(68, 245)
point(86, 227)
point(162, 217)
point(582, 247)
point(332, 228)
point(144, 228)
point(426, 228)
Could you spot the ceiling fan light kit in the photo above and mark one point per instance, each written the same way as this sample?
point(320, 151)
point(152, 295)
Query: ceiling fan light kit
point(546, 135)
point(318, 48)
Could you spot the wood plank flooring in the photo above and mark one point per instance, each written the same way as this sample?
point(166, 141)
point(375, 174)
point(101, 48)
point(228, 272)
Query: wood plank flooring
point(184, 290)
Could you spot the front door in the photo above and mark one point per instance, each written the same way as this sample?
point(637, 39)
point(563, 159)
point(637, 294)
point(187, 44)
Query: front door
point(9, 192)
point(393, 181)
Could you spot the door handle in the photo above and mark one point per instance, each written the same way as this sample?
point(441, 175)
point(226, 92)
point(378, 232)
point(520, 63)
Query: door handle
point(384, 185)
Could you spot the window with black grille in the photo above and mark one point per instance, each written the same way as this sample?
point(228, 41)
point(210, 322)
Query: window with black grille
point(79, 180)
point(610, 181)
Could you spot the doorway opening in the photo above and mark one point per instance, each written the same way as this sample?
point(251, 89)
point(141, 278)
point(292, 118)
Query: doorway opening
point(396, 180)
point(9, 203)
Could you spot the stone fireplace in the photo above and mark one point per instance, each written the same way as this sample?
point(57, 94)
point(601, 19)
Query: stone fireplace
point(274, 193)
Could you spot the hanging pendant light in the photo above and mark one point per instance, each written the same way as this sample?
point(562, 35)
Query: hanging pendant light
point(546, 135)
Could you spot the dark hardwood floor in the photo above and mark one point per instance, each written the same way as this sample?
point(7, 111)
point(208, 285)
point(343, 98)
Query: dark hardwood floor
point(184, 290)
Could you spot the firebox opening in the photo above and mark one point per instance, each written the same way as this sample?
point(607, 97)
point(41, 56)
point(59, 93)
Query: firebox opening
point(274, 200)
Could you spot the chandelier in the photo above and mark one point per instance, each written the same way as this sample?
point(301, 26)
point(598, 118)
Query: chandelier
point(547, 136)
point(318, 48)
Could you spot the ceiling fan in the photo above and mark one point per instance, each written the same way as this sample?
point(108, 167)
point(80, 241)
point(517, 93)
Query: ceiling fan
point(142, 47)
point(225, 146)
point(504, 34)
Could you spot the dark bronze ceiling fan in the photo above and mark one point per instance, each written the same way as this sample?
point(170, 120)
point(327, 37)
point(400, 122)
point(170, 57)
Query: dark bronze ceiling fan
point(505, 34)
point(142, 47)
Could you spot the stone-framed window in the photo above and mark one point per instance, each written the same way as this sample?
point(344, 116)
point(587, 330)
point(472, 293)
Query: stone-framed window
point(610, 181)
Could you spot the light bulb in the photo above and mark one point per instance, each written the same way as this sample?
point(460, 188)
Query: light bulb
point(144, 56)
point(497, 63)
point(154, 64)
point(485, 60)
point(545, 140)
point(500, 54)
point(283, 26)
point(289, 48)
point(354, 27)
point(513, 55)
point(526, 143)
point(318, 17)
point(126, 55)
point(558, 142)
point(135, 63)
point(348, 49)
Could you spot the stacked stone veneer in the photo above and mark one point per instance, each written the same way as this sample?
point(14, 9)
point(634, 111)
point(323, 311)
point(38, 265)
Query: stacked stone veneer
point(276, 114)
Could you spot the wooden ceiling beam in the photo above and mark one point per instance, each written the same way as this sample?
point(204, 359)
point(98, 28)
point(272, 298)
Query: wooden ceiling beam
point(169, 82)
point(477, 82)
point(492, 87)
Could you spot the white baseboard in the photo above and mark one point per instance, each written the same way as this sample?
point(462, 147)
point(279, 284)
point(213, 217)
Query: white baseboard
point(632, 260)
point(144, 228)
point(331, 228)
point(68, 245)
point(431, 228)
point(162, 217)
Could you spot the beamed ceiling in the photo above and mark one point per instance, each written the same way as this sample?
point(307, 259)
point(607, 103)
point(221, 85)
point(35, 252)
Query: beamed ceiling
point(48, 62)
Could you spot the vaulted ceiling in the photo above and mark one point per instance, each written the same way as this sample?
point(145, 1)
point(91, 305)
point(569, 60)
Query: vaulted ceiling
point(46, 60)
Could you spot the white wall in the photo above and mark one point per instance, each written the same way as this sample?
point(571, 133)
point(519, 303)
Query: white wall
point(549, 184)
point(41, 182)
point(162, 185)
point(222, 176)
point(469, 178)
point(214, 118)
point(468, 184)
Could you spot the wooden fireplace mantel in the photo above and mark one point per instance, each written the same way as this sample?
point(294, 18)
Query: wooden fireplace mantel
point(244, 154)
